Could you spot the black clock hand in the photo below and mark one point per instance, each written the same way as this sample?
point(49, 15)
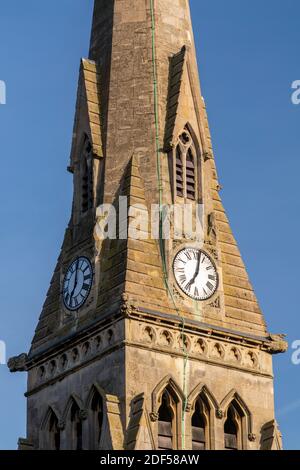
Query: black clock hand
point(76, 279)
point(198, 264)
point(192, 281)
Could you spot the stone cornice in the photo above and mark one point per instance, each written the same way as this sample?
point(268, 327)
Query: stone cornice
point(273, 344)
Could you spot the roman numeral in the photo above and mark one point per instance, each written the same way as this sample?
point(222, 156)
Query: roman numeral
point(205, 293)
point(210, 286)
point(182, 278)
point(188, 287)
point(82, 264)
point(212, 278)
point(87, 278)
point(209, 268)
point(87, 267)
point(196, 292)
point(85, 287)
point(188, 255)
point(180, 270)
point(67, 297)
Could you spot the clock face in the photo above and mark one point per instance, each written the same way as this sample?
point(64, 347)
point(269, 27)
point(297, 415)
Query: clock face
point(77, 283)
point(195, 273)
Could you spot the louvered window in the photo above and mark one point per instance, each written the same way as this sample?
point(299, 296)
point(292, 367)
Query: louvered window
point(179, 173)
point(165, 424)
point(97, 420)
point(87, 178)
point(231, 431)
point(198, 429)
point(185, 167)
point(54, 433)
point(190, 175)
point(76, 428)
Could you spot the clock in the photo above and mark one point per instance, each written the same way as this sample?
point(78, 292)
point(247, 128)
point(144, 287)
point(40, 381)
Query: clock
point(77, 283)
point(195, 273)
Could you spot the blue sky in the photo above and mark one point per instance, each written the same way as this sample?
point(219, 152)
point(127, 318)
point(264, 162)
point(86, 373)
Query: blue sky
point(248, 57)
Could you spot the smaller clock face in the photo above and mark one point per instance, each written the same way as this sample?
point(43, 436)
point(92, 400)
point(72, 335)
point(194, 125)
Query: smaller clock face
point(195, 274)
point(77, 283)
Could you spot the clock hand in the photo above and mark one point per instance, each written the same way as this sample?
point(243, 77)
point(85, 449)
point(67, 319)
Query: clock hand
point(198, 264)
point(76, 279)
point(192, 281)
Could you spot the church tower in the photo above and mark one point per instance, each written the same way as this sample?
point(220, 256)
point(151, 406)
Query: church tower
point(147, 342)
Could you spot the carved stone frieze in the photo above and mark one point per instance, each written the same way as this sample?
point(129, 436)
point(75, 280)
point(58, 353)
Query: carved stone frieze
point(196, 346)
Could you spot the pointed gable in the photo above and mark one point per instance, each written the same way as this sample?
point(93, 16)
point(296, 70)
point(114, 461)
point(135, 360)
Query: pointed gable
point(88, 109)
point(133, 267)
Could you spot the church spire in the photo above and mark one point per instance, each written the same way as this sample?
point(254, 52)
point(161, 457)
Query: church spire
point(162, 338)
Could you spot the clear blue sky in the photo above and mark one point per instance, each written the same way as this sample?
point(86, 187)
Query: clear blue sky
point(248, 55)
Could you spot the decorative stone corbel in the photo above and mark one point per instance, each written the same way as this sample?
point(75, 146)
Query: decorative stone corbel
point(18, 363)
point(188, 407)
point(277, 344)
point(154, 417)
point(61, 424)
point(127, 306)
point(220, 414)
point(83, 414)
point(252, 437)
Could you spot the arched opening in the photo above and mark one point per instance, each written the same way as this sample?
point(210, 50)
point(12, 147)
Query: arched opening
point(96, 422)
point(87, 190)
point(53, 433)
point(200, 426)
point(231, 429)
point(76, 428)
point(166, 423)
point(187, 173)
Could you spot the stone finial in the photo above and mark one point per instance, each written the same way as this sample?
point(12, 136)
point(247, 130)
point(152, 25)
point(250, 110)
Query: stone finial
point(18, 363)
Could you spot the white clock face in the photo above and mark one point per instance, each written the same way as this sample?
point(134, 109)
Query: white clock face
point(195, 273)
point(77, 283)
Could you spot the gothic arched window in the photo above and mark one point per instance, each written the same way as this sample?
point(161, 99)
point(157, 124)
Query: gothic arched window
point(96, 420)
point(166, 423)
point(199, 426)
point(53, 431)
point(232, 429)
point(185, 167)
point(87, 189)
point(76, 424)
